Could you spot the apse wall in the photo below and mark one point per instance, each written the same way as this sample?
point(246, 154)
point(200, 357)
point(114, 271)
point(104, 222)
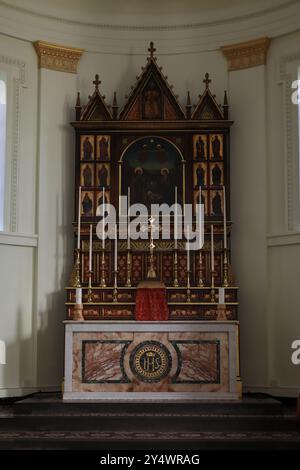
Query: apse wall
point(35, 250)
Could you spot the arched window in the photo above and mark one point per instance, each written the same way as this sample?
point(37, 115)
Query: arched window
point(2, 148)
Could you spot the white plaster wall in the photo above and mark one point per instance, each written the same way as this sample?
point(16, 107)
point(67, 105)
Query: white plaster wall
point(34, 269)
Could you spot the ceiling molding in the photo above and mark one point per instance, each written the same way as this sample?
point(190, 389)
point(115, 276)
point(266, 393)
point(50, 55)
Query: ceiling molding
point(155, 27)
point(57, 57)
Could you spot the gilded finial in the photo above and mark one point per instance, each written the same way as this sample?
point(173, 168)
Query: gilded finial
point(97, 82)
point(207, 80)
point(151, 49)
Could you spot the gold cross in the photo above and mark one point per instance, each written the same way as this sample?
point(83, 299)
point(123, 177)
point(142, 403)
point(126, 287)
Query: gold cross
point(207, 81)
point(97, 82)
point(151, 49)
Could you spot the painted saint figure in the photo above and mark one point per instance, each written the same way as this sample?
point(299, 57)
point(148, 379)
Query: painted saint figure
point(102, 176)
point(87, 149)
point(87, 176)
point(151, 102)
point(87, 205)
point(200, 148)
point(216, 147)
point(103, 148)
point(200, 173)
point(217, 205)
point(216, 175)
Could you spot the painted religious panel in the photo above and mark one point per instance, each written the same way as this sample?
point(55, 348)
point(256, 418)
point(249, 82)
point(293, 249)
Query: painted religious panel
point(87, 174)
point(87, 203)
point(152, 107)
point(102, 175)
point(152, 167)
point(100, 200)
point(216, 146)
point(200, 175)
point(103, 147)
point(216, 174)
point(216, 203)
point(87, 147)
point(200, 147)
point(204, 200)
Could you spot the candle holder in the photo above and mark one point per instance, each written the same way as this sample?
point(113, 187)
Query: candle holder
point(102, 274)
point(75, 274)
point(213, 292)
point(90, 297)
point(175, 282)
point(188, 291)
point(78, 313)
point(200, 280)
point(115, 291)
point(225, 268)
point(151, 274)
point(128, 279)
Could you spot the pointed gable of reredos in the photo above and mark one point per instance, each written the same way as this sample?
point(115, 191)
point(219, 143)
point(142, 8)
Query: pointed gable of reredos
point(207, 108)
point(96, 109)
point(152, 97)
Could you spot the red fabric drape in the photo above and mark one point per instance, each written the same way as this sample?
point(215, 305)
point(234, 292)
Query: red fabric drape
point(151, 304)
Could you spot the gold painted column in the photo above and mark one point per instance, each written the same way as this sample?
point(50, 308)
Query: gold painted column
point(57, 57)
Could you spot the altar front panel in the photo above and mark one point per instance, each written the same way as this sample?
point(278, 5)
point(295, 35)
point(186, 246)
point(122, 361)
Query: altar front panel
point(150, 360)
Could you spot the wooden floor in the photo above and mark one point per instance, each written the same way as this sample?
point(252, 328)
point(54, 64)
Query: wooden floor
point(44, 421)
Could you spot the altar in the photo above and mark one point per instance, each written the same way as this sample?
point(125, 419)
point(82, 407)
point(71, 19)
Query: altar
point(151, 361)
point(178, 339)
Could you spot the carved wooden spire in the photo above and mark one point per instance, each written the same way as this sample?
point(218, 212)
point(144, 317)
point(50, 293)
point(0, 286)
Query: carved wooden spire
point(97, 82)
point(188, 106)
point(207, 80)
point(115, 106)
point(78, 107)
point(225, 106)
point(151, 50)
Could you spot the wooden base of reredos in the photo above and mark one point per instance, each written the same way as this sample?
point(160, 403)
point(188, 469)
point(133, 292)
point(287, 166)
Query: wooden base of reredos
point(151, 361)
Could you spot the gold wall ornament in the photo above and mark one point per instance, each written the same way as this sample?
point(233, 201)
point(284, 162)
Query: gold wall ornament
point(247, 54)
point(57, 57)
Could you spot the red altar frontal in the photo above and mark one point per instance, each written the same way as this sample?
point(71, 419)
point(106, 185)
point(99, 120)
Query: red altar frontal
point(151, 316)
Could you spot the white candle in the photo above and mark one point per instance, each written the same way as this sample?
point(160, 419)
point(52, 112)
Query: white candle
point(116, 248)
point(79, 218)
point(175, 220)
point(225, 228)
point(221, 295)
point(188, 248)
point(212, 248)
point(103, 224)
point(90, 247)
point(78, 295)
point(128, 215)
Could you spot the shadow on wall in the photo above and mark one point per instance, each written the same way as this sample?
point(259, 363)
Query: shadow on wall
point(58, 263)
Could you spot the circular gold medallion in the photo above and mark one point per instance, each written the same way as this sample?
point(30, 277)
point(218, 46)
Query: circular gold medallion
point(150, 361)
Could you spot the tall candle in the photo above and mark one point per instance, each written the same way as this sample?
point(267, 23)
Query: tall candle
point(225, 228)
point(188, 248)
point(116, 248)
point(90, 247)
point(78, 300)
point(128, 215)
point(221, 295)
point(79, 218)
point(175, 220)
point(103, 224)
point(212, 248)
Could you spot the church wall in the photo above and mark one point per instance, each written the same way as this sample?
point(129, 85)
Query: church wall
point(34, 271)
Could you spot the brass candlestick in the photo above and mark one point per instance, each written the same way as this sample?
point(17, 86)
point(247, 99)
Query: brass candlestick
point(75, 275)
point(115, 292)
point(175, 282)
point(188, 292)
point(213, 293)
point(151, 271)
point(200, 280)
point(102, 275)
point(128, 280)
point(225, 268)
point(90, 298)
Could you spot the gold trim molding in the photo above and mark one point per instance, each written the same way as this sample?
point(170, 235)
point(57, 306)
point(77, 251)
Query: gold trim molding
point(246, 54)
point(57, 57)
